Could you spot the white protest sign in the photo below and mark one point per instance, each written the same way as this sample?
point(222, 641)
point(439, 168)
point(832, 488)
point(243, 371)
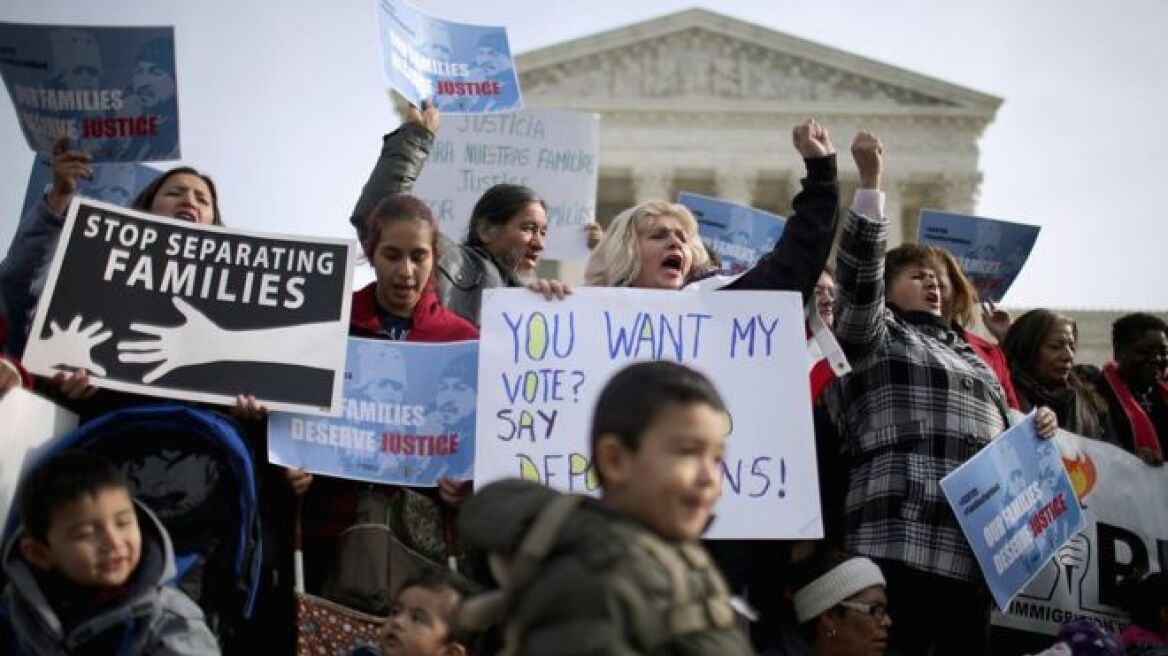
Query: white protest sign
point(542, 364)
point(552, 151)
point(27, 423)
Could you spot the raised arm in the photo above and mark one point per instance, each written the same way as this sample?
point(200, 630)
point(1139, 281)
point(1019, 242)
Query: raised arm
point(859, 306)
point(24, 271)
point(403, 152)
point(801, 253)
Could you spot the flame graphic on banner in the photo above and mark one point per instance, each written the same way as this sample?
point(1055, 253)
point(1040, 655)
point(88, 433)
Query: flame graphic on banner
point(1082, 473)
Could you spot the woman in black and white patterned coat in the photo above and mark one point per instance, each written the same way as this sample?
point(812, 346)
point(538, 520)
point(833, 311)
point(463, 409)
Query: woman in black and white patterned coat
point(918, 403)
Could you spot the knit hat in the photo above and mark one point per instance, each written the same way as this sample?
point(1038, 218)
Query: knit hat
point(843, 581)
point(1086, 638)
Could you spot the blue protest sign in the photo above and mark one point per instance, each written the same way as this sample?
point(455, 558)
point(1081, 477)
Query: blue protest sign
point(1016, 506)
point(462, 68)
point(408, 417)
point(991, 252)
point(112, 90)
point(114, 183)
point(740, 235)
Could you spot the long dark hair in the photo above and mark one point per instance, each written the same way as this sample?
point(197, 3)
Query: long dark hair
point(145, 199)
point(496, 207)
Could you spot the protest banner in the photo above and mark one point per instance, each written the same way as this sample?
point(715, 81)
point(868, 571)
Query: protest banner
point(461, 68)
point(1125, 532)
point(543, 363)
point(112, 90)
point(28, 423)
point(991, 252)
point(553, 151)
point(740, 235)
point(407, 418)
point(171, 308)
point(113, 183)
point(1016, 506)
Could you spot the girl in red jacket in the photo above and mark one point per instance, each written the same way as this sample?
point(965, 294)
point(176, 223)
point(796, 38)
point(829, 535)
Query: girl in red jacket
point(401, 242)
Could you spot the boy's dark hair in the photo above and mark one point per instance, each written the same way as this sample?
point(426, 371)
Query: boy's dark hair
point(440, 580)
point(63, 479)
point(1129, 328)
point(632, 399)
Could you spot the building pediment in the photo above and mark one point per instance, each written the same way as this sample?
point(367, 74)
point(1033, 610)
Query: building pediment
point(697, 55)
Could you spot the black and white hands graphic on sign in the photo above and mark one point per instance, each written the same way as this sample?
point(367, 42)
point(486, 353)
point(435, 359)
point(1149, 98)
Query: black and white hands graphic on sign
point(197, 340)
point(72, 347)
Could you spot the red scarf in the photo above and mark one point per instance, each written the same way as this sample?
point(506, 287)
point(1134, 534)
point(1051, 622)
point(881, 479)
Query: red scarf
point(1143, 432)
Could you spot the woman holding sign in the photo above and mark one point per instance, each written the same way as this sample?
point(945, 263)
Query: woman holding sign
point(918, 403)
point(180, 193)
point(401, 242)
point(1040, 349)
point(655, 245)
point(507, 228)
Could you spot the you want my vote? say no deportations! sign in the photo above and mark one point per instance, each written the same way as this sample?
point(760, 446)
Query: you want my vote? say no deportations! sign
point(165, 307)
point(542, 365)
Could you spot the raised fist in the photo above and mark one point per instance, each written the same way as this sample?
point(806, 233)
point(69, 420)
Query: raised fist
point(811, 140)
point(869, 155)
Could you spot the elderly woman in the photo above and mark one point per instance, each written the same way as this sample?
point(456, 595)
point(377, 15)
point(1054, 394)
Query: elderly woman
point(1040, 349)
point(655, 245)
point(841, 606)
point(918, 403)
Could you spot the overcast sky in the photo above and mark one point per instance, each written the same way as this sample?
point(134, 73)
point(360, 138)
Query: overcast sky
point(284, 104)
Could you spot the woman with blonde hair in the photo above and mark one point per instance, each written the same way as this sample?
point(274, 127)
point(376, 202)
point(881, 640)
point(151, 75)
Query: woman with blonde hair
point(655, 245)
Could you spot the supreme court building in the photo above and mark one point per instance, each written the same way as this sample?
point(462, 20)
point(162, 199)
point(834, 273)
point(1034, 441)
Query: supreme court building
point(701, 102)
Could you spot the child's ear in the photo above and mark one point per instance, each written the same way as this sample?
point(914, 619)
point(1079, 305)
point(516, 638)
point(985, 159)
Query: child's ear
point(612, 458)
point(453, 649)
point(37, 553)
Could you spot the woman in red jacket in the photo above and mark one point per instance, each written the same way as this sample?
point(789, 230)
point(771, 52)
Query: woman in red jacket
point(959, 301)
point(401, 243)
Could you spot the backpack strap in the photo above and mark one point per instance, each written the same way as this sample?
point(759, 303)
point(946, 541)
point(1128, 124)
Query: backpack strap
point(539, 539)
point(689, 613)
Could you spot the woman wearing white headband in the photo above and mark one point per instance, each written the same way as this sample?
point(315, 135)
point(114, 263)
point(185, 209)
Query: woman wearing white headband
point(842, 607)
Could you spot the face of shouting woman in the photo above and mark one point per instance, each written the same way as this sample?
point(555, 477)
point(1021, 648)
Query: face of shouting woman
point(665, 255)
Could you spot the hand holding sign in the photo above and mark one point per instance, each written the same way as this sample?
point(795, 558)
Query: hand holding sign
point(427, 117)
point(72, 347)
point(811, 140)
point(997, 321)
point(69, 167)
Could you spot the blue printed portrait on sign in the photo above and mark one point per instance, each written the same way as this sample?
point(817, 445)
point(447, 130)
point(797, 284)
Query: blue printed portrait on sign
point(111, 90)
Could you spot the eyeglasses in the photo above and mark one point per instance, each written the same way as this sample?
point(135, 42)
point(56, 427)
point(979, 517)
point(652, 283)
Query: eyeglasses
point(876, 611)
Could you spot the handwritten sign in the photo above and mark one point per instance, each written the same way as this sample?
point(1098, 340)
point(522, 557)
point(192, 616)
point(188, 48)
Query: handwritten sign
point(991, 252)
point(1016, 506)
point(550, 150)
point(113, 90)
point(542, 365)
point(408, 417)
point(462, 68)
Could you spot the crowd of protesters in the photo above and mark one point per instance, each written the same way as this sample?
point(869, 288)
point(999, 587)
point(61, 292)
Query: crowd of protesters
point(88, 570)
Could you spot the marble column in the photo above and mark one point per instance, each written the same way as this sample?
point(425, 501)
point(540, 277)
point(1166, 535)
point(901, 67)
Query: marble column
point(651, 182)
point(735, 184)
